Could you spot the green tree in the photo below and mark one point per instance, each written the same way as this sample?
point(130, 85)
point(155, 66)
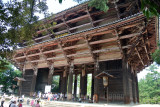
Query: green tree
point(149, 87)
point(4, 65)
point(55, 84)
point(7, 76)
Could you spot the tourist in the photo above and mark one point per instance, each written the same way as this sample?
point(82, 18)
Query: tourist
point(20, 103)
point(34, 95)
point(13, 103)
point(28, 101)
point(2, 101)
point(37, 105)
point(32, 103)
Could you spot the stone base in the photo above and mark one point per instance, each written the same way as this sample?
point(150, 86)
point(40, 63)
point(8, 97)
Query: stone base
point(69, 96)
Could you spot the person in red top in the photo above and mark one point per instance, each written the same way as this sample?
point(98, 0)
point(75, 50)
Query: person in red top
point(20, 103)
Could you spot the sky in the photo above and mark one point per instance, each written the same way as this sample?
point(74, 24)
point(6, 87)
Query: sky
point(55, 7)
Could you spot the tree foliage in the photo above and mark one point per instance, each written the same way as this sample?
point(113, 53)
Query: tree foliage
point(149, 87)
point(18, 23)
point(6, 78)
point(150, 8)
point(4, 65)
point(55, 84)
point(156, 56)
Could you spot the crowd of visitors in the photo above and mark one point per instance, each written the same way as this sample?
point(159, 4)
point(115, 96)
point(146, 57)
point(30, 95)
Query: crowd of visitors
point(14, 101)
point(37, 100)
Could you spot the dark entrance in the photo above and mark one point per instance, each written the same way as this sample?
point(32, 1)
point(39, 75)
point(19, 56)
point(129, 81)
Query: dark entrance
point(42, 79)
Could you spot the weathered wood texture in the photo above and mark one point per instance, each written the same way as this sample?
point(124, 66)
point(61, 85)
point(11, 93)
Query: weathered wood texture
point(26, 85)
point(99, 40)
point(42, 79)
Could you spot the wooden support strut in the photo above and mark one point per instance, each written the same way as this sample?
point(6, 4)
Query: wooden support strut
point(90, 18)
point(116, 7)
point(68, 28)
point(64, 53)
point(90, 49)
point(45, 57)
point(145, 49)
point(139, 56)
point(119, 43)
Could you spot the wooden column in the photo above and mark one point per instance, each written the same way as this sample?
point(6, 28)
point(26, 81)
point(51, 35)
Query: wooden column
point(60, 83)
point(33, 85)
point(64, 82)
point(50, 74)
point(125, 81)
point(92, 87)
point(75, 86)
point(96, 93)
point(83, 83)
point(133, 87)
point(70, 84)
point(137, 89)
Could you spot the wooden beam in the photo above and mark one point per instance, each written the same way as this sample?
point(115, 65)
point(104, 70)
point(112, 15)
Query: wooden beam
point(82, 45)
point(45, 58)
point(90, 18)
point(103, 41)
point(83, 53)
point(67, 26)
point(119, 43)
point(147, 54)
point(116, 7)
point(139, 56)
point(89, 47)
point(64, 53)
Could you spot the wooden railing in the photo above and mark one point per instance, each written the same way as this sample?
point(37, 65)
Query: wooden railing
point(116, 97)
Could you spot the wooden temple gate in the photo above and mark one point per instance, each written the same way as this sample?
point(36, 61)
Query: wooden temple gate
point(87, 40)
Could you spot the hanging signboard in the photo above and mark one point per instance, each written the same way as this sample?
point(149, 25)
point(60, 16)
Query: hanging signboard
point(47, 88)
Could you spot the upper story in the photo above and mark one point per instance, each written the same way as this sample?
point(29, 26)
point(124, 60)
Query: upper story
point(82, 17)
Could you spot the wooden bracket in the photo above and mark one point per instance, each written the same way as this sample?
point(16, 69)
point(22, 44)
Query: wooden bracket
point(89, 47)
point(64, 53)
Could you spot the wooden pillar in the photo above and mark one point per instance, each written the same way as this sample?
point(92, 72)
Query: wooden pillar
point(125, 81)
point(75, 86)
point(34, 78)
point(137, 89)
point(64, 82)
point(96, 93)
point(129, 85)
point(60, 83)
point(70, 84)
point(83, 83)
point(50, 74)
point(92, 87)
point(133, 86)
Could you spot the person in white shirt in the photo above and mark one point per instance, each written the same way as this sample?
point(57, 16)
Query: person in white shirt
point(13, 104)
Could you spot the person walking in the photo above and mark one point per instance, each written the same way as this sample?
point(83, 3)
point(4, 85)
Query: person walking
point(2, 101)
point(20, 103)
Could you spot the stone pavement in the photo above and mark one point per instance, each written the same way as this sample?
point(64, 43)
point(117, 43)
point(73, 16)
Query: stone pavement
point(75, 104)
